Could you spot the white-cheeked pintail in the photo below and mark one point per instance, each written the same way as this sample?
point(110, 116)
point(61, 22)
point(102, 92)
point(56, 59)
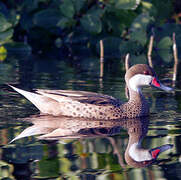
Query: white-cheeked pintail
point(98, 106)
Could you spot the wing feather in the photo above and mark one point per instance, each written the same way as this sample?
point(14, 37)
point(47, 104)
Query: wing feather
point(79, 96)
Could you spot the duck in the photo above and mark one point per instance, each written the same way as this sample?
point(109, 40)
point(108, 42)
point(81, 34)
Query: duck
point(135, 155)
point(93, 105)
point(63, 128)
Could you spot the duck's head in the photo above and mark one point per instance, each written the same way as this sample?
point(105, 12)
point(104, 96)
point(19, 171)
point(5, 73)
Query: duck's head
point(139, 157)
point(143, 75)
point(135, 154)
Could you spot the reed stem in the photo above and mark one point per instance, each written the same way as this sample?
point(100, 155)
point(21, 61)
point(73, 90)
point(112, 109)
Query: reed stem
point(175, 55)
point(101, 59)
point(127, 66)
point(150, 48)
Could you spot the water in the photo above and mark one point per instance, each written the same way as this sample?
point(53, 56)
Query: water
point(84, 152)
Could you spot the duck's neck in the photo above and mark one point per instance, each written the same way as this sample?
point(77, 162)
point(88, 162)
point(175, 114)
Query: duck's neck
point(137, 105)
point(136, 96)
point(135, 155)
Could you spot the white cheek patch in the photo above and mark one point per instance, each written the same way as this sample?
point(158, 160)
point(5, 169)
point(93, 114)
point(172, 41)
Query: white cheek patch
point(139, 80)
point(138, 154)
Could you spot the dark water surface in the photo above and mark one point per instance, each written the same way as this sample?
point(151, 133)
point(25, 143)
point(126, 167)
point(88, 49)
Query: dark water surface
point(92, 150)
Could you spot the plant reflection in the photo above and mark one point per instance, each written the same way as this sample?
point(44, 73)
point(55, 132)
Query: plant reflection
point(59, 128)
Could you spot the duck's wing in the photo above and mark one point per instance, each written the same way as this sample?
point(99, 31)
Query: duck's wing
point(79, 96)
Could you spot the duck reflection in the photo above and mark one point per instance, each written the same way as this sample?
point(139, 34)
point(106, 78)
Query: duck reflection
point(58, 128)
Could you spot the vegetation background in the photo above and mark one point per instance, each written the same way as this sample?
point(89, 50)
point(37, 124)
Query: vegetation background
point(73, 28)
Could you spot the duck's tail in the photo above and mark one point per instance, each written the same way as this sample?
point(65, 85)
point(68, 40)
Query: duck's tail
point(43, 103)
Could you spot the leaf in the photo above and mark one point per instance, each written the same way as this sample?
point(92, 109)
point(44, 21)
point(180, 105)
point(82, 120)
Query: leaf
point(3, 57)
point(67, 8)
point(3, 53)
point(78, 37)
point(140, 59)
point(78, 4)
point(96, 11)
point(139, 36)
point(127, 4)
point(118, 21)
point(47, 18)
point(167, 30)
point(141, 22)
point(4, 24)
point(166, 55)
point(165, 43)
point(14, 18)
point(164, 8)
point(148, 7)
point(65, 22)
point(131, 47)
point(3, 50)
point(6, 35)
point(139, 27)
point(91, 23)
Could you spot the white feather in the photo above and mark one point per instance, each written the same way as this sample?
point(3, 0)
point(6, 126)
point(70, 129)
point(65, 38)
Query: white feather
point(139, 80)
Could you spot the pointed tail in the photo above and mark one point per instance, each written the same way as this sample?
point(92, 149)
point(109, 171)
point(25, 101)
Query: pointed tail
point(44, 104)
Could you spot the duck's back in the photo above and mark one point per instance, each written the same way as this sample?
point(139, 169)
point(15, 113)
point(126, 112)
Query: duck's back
point(83, 104)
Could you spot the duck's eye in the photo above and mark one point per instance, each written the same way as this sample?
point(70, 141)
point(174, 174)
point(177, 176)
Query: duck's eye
point(146, 72)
